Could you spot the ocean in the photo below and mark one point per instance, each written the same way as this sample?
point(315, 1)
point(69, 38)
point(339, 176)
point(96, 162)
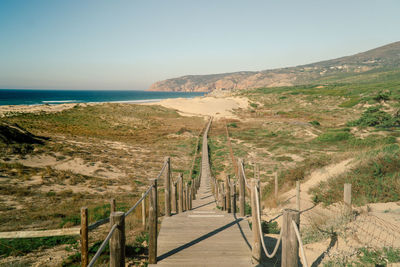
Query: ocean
point(37, 97)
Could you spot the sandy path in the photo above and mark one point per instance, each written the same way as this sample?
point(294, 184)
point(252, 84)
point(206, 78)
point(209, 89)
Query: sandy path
point(205, 106)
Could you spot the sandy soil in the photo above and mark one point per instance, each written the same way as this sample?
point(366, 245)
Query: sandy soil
point(6, 110)
point(375, 225)
point(207, 106)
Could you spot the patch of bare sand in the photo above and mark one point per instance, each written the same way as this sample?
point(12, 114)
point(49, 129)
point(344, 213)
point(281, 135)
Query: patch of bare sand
point(375, 225)
point(75, 165)
point(217, 107)
point(8, 110)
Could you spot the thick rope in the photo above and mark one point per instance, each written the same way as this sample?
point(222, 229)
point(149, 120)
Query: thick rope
point(303, 254)
point(162, 170)
point(103, 245)
point(138, 202)
point(261, 233)
point(244, 177)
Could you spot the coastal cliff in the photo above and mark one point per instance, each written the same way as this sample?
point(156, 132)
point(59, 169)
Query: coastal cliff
point(379, 59)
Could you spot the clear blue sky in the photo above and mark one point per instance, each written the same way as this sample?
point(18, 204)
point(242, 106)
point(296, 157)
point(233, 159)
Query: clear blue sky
point(102, 44)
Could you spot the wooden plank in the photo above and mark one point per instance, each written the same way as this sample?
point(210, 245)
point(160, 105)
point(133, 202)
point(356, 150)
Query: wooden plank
point(204, 235)
point(45, 233)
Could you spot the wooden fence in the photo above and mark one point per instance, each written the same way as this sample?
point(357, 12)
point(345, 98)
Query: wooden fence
point(290, 239)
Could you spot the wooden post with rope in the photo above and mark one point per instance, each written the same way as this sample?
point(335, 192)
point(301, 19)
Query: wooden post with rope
point(84, 237)
point(290, 244)
point(223, 196)
point(153, 214)
point(180, 193)
point(117, 241)
point(174, 204)
point(256, 247)
point(144, 212)
point(113, 205)
point(347, 197)
point(233, 198)
point(276, 187)
point(228, 194)
point(241, 188)
point(167, 192)
point(298, 195)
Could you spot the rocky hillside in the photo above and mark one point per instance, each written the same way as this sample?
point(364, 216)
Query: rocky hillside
point(381, 59)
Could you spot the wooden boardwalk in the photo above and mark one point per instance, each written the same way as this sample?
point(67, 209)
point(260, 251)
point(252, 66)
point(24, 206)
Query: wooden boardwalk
point(204, 236)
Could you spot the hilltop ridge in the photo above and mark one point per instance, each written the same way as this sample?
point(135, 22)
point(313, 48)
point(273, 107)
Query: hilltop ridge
point(381, 59)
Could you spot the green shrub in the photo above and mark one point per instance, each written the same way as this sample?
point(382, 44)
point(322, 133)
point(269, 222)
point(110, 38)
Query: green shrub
point(22, 246)
point(332, 137)
point(374, 117)
point(253, 105)
point(383, 95)
point(232, 125)
point(270, 228)
point(350, 103)
point(315, 123)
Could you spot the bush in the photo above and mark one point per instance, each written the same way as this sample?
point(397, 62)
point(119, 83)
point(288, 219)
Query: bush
point(253, 105)
point(350, 103)
point(383, 95)
point(270, 228)
point(315, 123)
point(374, 117)
point(22, 246)
point(332, 137)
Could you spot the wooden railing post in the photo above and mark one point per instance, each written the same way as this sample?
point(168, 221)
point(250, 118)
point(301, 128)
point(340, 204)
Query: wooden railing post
point(153, 214)
point(144, 212)
point(184, 198)
point(290, 244)
point(223, 196)
point(233, 198)
point(168, 187)
point(117, 241)
point(113, 205)
point(174, 192)
point(276, 187)
point(256, 247)
point(298, 195)
point(241, 189)
point(190, 197)
point(187, 198)
point(216, 189)
point(180, 193)
point(347, 197)
point(228, 194)
point(192, 190)
point(84, 237)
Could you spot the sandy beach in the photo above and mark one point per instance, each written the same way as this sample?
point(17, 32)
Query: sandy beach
point(204, 106)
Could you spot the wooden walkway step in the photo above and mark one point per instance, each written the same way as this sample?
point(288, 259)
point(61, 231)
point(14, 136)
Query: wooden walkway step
point(204, 236)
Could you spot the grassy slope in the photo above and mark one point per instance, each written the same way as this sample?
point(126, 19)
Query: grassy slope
point(293, 130)
point(131, 138)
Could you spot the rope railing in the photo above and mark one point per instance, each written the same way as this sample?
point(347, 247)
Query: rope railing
point(244, 175)
point(102, 246)
point(303, 254)
point(138, 202)
point(269, 255)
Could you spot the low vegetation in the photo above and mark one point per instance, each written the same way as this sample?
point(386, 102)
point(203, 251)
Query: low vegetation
point(85, 156)
point(374, 179)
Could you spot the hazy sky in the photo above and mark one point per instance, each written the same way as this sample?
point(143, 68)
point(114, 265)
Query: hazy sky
point(103, 44)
